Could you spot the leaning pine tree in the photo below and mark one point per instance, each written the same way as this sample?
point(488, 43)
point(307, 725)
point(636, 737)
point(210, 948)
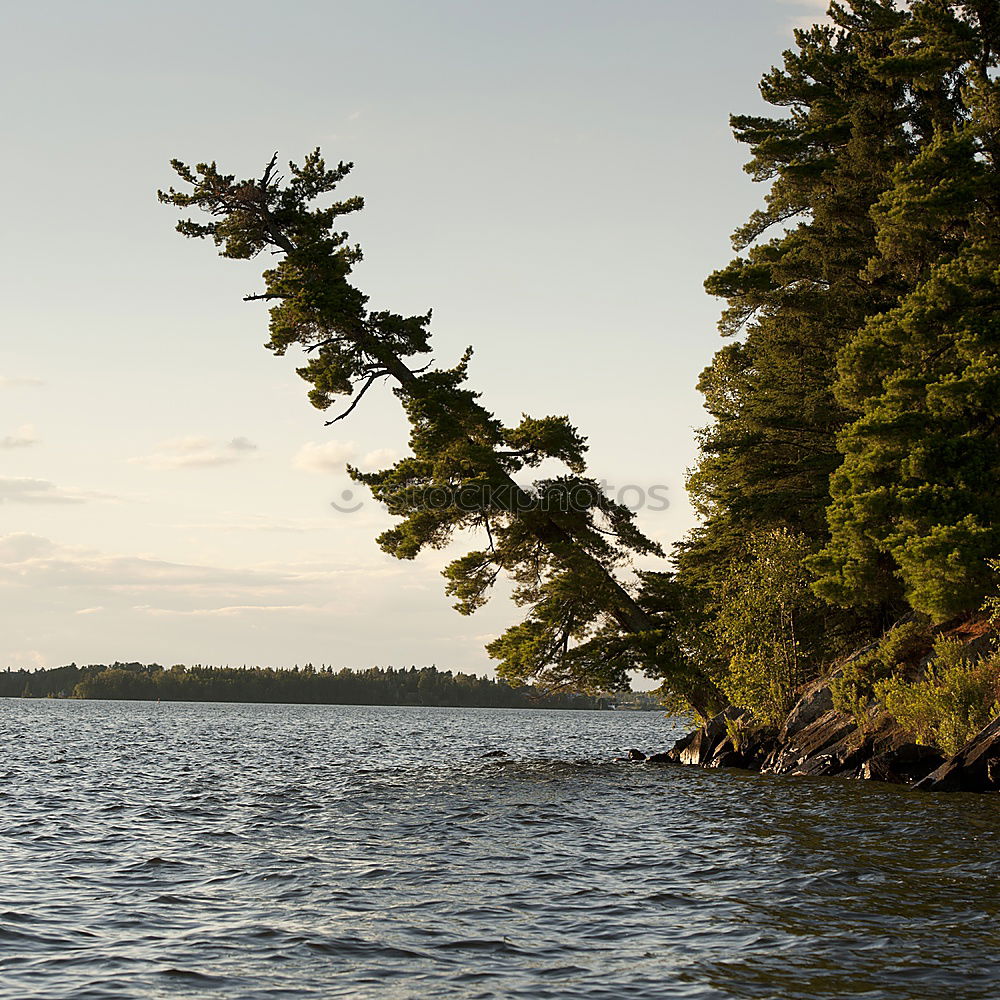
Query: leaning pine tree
point(563, 542)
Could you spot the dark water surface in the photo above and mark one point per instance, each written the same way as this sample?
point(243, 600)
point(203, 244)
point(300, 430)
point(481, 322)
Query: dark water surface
point(252, 851)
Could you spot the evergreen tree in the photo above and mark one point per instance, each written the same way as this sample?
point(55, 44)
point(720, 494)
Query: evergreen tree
point(915, 502)
point(796, 293)
point(562, 542)
point(855, 413)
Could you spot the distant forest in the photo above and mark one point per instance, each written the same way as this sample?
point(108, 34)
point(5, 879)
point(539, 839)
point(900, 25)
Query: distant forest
point(305, 685)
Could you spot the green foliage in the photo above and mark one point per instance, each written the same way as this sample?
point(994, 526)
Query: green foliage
point(308, 685)
point(795, 293)
point(991, 605)
point(916, 495)
point(740, 731)
point(914, 505)
point(954, 700)
point(767, 624)
point(854, 686)
point(561, 541)
point(857, 402)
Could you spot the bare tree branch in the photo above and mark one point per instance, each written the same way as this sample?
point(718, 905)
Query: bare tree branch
point(357, 399)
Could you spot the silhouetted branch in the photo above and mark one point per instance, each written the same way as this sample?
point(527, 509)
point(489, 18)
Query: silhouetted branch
point(357, 399)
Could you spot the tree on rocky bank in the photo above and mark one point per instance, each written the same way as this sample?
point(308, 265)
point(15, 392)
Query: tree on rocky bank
point(847, 476)
point(858, 403)
point(563, 542)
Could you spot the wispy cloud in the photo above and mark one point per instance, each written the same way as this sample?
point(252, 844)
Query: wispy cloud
point(42, 562)
point(19, 489)
point(88, 581)
point(23, 438)
point(231, 611)
point(808, 12)
point(378, 459)
point(242, 521)
point(95, 605)
point(14, 381)
point(196, 453)
point(330, 456)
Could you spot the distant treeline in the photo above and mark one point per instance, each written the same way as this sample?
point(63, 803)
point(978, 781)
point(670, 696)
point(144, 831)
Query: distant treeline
point(305, 685)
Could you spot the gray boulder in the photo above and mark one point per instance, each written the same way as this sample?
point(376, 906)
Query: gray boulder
point(702, 745)
point(975, 768)
point(906, 764)
point(816, 700)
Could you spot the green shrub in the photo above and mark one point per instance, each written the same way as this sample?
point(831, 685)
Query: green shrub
point(854, 688)
point(740, 731)
point(769, 625)
point(954, 700)
point(905, 642)
point(991, 605)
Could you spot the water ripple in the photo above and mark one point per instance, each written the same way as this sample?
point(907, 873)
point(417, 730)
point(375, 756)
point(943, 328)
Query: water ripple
point(178, 851)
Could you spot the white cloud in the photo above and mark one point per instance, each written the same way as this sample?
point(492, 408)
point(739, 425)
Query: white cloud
point(95, 606)
point(231, 610)
point(21, 546)
point(19, 489)
point(242, 521)
point(31, 560)
point(81, 595)
point(25, 659)
point(378, 459)
point(809, 12)
point(196, 453)
point(14, 381)
point(25, 437)
point(330, 456)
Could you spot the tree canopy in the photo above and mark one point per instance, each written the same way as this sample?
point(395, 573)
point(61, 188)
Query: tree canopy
point(307, 685)
point(847, 475)
point(563, 542)
point(856, 406)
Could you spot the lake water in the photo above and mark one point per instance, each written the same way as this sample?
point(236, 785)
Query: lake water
point(264, 851)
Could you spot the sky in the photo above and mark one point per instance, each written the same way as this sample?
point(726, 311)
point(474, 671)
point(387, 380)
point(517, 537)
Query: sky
point(554, 178)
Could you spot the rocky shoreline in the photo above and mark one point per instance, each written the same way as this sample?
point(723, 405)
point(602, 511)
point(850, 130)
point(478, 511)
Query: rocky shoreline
point(817, 739)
